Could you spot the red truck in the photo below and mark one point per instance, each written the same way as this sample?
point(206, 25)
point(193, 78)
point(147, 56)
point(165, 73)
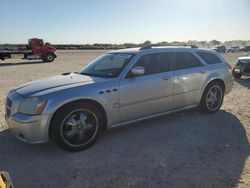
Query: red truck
point(36, 49)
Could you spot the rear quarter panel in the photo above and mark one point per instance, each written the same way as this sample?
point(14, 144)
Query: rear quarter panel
point(217, 71)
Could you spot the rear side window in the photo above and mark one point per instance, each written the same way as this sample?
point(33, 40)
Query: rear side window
point(183, 60)
point(209, 58)
point(153, 63)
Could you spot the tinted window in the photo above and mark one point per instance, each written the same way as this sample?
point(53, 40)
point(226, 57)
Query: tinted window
point(209, 58)
point(39, 42)
point(183, 60)
point(153, 63)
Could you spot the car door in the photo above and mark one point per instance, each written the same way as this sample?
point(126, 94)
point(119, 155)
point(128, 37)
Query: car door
point(189, 75)
point(37, 47)
point(149, 94)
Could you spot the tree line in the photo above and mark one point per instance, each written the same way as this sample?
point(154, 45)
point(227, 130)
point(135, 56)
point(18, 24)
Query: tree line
point(204, 44)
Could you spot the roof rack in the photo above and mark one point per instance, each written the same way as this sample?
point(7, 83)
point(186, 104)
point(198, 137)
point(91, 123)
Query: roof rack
point(184, 45)
point(146, 47)
point(191, 45)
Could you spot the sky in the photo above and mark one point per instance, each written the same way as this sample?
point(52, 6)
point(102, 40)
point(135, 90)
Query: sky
point(114, 21)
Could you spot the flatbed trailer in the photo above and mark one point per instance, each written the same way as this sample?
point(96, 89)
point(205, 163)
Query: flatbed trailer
point(36, 50)
point(6, 54)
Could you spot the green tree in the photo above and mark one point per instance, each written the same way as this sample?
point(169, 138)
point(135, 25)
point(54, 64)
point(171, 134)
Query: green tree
point(147, 43)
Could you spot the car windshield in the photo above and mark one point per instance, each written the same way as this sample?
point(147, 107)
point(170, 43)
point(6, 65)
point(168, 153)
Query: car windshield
point(107, 65)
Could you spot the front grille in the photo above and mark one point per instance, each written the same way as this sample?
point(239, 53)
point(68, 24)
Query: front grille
point(8, 107)
point(8, 102)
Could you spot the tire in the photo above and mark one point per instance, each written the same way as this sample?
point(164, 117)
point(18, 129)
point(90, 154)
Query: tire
point(207, 104)
point(236, 75)
point(49, 58)
point(66, 132)
point(44, 59)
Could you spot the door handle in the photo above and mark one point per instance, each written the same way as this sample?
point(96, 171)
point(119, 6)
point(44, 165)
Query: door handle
point(203, 72)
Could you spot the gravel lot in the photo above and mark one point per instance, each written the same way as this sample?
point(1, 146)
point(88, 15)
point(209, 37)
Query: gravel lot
point(185, 149)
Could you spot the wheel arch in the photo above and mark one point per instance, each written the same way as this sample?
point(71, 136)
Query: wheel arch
point(91, 101)
point(219, 80)
point(214, 80)
point(50, 52)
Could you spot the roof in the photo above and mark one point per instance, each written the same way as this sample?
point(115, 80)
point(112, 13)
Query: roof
point(158, 48)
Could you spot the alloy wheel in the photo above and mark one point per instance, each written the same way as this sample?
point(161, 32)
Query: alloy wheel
point(214, 98)
point(79, 127)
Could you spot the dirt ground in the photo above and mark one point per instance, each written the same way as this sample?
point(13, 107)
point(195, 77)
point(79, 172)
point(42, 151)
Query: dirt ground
point(185, 149)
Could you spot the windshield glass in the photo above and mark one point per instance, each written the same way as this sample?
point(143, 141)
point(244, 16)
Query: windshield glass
point(107, 65)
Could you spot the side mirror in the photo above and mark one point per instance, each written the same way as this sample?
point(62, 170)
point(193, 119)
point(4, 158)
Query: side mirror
point(137, 71)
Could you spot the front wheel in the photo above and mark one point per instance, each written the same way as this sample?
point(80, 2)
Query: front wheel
point(77, 126)
point(49, 58)
point(212, 98)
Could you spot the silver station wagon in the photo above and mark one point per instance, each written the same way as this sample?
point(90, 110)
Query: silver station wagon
point(117, 88)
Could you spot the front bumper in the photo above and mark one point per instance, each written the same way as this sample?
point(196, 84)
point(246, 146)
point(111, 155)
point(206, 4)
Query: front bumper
point(30, 129)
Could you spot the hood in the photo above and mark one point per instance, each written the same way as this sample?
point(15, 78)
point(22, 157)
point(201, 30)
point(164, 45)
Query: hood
point(245, 59)
point(31, 88)
point(51, 48)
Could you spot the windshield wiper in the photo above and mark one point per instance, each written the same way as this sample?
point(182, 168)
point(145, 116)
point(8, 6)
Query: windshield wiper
point(67, 73)
point(88, 74)
point(96, 75)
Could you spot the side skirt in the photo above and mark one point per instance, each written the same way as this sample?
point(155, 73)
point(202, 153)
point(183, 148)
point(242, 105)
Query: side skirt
point(152, 116)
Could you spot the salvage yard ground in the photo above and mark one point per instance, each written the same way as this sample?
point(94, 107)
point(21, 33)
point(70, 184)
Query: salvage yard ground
point(185, 149)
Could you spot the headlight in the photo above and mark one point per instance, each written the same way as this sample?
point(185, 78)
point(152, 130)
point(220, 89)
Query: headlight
point(32, 105)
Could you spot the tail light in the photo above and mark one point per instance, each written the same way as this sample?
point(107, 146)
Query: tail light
point(229, 66)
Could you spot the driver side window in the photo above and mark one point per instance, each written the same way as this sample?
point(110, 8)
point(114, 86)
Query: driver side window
point(153, 63)
point(39, 43)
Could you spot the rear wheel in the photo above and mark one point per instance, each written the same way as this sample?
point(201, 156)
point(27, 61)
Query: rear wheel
point(212, 98)
point(77, 126)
